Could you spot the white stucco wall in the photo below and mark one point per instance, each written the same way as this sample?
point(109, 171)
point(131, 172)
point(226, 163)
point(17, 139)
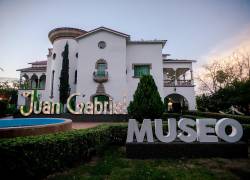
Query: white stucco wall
point(177, 65)
point(115, 55)
point(21, 99)
point(56, 65)
point(187, 92)
point(120, 56)
point(144, 54)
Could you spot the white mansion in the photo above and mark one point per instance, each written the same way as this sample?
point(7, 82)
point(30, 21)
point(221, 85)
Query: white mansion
point(105, 63)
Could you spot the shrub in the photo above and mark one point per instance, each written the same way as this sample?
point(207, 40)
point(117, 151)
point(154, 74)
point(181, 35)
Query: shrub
point(38, 156)
point(165, 116)
point(234, 94)
point(7, 108)
point(147, 102)
point(240, 118)
point(3, 107)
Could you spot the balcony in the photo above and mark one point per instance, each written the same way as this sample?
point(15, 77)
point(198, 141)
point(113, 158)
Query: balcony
point(180, 83)
point(184, 83)
point(169, 83)
point(100, 76)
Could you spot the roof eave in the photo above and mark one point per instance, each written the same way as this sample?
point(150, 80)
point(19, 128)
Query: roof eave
point(179, 61)
point(105, 29)
point(163, 42)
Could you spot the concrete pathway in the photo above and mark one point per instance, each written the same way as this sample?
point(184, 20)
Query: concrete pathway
point(85, 125)
point(7, 117)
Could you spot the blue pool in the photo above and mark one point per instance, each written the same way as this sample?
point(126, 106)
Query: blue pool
point(20, 122)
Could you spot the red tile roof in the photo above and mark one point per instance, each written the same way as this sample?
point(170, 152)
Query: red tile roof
point(33, 69)
point(39, 62)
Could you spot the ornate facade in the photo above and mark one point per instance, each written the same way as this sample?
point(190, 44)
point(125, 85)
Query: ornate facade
point(105, 63)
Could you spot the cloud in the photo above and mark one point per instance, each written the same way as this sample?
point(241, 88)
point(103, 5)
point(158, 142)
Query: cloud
point(226, 48)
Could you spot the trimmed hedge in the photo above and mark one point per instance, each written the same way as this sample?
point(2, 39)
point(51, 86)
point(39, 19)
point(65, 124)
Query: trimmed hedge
point(198, 114)
point(38, 156)
point(240, 118)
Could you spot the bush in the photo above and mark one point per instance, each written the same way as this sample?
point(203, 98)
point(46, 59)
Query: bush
point(240, 118)
point(3, 107)
point(234, 94)
point(147, 102)
point(246, 132)
point(38, 156)
point(6, 108)
point(165, 116)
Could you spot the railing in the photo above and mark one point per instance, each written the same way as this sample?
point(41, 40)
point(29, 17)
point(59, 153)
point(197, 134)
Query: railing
point(29, 87)
point(168, 83)
point(100, 76)
point(183, 83)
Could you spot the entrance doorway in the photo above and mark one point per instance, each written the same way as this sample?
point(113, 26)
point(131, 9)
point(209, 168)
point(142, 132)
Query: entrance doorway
point(101, 98)
point(175, 103)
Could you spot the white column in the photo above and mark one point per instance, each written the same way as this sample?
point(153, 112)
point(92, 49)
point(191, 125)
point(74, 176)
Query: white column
point(192, 80)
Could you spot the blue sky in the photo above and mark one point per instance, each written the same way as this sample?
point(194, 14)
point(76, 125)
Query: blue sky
point(194, 29)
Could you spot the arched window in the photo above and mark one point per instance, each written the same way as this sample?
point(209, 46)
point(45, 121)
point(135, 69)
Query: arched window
point(101, 66)
point(42, 81)
point(75, 81)
point(34, 81)
point(175, 103)
point(24, 84)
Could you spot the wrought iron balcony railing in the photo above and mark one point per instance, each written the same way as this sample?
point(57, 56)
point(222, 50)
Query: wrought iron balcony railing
point(169, 83)
point(100, 76)
point(182, 83)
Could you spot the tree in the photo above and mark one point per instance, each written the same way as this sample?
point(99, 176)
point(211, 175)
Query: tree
point(224, 71)
point(147, 102)
point(235, 94)
point(64, 78)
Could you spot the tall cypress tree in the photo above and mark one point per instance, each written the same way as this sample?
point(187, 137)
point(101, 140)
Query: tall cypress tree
point(147, 101)
point(64, 78)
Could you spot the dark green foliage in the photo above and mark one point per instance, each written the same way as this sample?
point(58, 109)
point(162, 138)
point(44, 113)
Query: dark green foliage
point(113, 165)
point(10, 93)
point(3, 107)
point(199, 114)
point(236, 94)
point(147, 102)
point(8, 104)
point(240, 118)
point(38, 156)
point(64, 78)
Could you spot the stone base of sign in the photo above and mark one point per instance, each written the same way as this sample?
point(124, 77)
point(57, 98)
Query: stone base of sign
point(180, 149)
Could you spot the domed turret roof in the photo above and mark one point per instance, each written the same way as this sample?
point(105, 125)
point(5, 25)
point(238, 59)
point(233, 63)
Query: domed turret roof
point(65, 32)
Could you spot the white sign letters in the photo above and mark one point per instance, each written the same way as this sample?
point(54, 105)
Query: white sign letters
point(202, 130)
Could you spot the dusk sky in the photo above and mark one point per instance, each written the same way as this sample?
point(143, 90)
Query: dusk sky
point(194, 29)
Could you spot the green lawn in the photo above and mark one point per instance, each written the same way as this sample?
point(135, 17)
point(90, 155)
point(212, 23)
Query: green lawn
point(113, 164)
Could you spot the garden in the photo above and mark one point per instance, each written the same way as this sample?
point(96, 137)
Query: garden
point(99, 153)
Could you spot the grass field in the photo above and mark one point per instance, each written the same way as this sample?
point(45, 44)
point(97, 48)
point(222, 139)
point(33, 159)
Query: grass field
point(113, 164)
